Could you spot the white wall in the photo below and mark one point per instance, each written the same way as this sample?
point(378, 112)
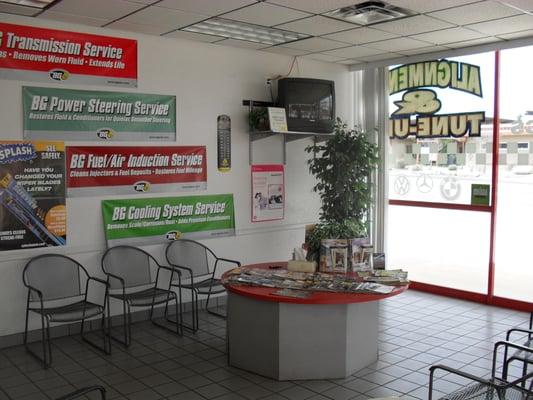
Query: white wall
point(208, 80)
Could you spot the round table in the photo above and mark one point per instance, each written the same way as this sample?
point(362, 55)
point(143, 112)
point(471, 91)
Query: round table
point(324, 336)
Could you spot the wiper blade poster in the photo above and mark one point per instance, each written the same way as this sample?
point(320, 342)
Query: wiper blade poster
point(32, 195)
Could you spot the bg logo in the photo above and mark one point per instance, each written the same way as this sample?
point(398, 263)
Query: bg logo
point(142, 186)
point(59, 75)
point(104, 133)
point(173, 235)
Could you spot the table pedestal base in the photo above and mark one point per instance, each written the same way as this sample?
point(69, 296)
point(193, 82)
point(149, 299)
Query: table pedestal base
point(288, 341)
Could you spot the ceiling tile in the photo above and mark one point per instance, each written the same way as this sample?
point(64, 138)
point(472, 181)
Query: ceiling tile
point(477, 12)
point(468, 43)
point(353, 52)
point(145, 2)
point(205, 7)
point(315, 44)
point(350, 62)
point(360, 36)
point(505, 25)
point(74, 19)
point(413, 25)
point(265, 14)
point(517, 35)
point(315, 6)
point(423, 6)
point(379, 57)
point(285, 50)
point(104, 9)
point(398, 44)
point(323, 57)
point(448, 36)
point(316, 25)
point(525, 5)
point(140, 28)
point(18, 10)
point(193, 36)
point(423, 50)
point(241, 43)
point(165, 18)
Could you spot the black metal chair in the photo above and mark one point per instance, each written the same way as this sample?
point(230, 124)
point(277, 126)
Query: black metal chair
point(81, 393)
point(135, 278)
point(492, 388)
point(58, 289)
point(524, 357)
point(199, 264)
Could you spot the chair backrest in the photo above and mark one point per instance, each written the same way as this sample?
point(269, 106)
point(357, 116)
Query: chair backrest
point(130, 263)
point(56, 276)
point(190, 254)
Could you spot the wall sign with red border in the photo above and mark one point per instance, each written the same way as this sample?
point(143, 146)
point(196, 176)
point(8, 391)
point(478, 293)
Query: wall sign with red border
point(98, 170)
point(47, 55)
point(268, 192)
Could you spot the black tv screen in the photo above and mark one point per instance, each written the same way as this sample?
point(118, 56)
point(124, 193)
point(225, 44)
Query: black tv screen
point(309, 104)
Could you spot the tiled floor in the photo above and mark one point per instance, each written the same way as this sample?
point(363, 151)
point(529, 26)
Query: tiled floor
point(417, 330)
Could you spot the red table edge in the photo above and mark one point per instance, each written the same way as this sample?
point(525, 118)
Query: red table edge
point(318, 297)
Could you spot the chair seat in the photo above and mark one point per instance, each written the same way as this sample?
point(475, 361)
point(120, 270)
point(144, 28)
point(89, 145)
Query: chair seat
point(71, 312)
point(145, 297)
point(479, 391)
point(204, 286)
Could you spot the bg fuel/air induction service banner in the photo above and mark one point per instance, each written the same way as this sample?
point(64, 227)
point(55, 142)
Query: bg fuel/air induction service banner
point(160, 220)
point(30, 53)
point(61, 114)
point(32, 195)
point(97, 170)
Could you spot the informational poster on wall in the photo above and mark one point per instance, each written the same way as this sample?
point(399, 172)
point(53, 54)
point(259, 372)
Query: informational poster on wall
point(98, 170)
point(32, 195)
point(268, 192)
point(160, 220)
point(62, 114)
point(30, 53)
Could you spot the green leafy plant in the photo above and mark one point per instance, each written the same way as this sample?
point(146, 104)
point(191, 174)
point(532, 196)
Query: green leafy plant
point(258, 119)
point(342, 166)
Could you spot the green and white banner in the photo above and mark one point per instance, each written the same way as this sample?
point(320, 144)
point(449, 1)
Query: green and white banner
point(159, 220)
point(63, 114)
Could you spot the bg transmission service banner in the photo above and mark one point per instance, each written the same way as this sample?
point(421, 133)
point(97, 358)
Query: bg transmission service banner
point(159, 220)
point(32, 195)
point(62, 114)
point(97, 170)
point(48, 55)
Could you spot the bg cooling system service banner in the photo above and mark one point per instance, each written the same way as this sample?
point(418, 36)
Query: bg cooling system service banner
point(159, 220)
point(32, 195)
point(62, 114)
point(98, 170)
point(48, 55)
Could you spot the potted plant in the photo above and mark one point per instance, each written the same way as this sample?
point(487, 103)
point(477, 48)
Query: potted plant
point(342, 166)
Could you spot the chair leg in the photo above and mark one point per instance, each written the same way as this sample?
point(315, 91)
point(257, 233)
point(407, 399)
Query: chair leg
point(103, 348)
point(217, 314)
point(179, 328)
point(44, 360)
point(126, 321)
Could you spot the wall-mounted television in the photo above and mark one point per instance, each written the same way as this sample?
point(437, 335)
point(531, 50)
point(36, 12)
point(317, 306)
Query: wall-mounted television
point(309, 104)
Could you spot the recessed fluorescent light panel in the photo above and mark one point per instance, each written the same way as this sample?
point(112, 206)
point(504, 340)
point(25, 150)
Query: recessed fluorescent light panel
point(369, 12)
point(242, 31)
point(30, 3)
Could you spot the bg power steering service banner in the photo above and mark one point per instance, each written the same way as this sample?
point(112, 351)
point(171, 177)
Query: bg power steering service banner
point(160, 220)
point(48, 55)
point(68, 115)
point(97, 170)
